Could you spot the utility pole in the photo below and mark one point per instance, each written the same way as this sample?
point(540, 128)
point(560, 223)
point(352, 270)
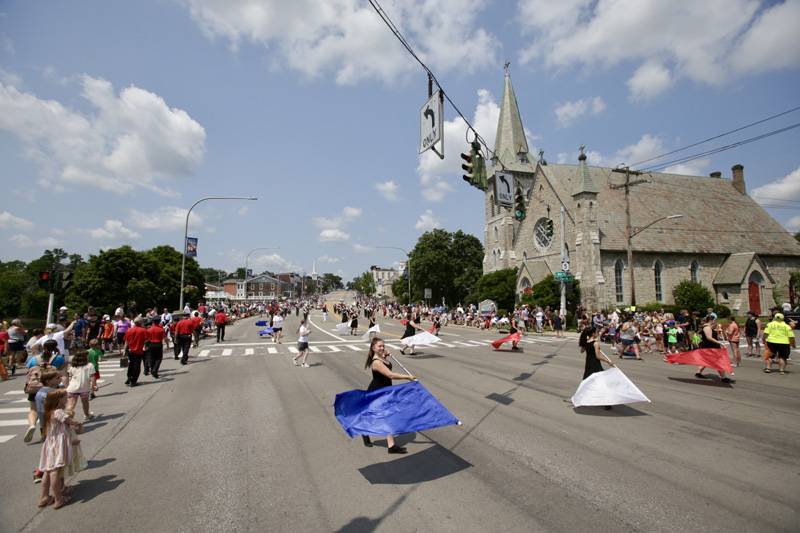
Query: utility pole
point(628, 229)
point(564, 263)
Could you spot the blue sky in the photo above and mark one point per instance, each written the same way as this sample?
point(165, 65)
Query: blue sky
point(116, 116)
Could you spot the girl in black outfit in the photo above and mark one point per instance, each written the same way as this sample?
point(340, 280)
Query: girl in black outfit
point(382, 376)
point(411, 330)
point(589, 342)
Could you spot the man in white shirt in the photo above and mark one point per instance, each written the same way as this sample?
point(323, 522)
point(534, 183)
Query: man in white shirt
point(51, 332)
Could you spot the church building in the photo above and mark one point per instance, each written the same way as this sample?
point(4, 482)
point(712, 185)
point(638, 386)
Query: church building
point(700, 228)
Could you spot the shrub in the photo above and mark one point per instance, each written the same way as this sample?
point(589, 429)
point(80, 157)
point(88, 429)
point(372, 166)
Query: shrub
point(722, 311)
point(692, 296)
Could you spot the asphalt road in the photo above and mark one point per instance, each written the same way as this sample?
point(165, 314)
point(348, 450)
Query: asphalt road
point(242, 440)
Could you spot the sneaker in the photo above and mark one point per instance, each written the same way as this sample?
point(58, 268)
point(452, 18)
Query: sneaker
point(29, 434)
point(295, 362)
point(306, 365)
point(782, 372)
point(397, 449)
point(726, 380)
point(767, 371)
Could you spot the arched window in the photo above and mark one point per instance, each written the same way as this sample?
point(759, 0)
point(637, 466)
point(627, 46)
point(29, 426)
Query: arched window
point(496, 234)
point(524, 256)
point(694, 269)
point(494, 253)
point(657, 269)
point(618, 268)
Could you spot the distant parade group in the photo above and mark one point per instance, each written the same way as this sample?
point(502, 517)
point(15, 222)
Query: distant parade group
point(61, 362)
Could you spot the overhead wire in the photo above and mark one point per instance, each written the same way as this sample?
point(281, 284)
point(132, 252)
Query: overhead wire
point(715, 137)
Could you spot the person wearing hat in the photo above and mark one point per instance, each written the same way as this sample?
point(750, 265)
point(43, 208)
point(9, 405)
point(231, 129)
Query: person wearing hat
point(779, 338)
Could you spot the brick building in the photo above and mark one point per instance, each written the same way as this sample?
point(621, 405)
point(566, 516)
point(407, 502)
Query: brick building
point(723, 239)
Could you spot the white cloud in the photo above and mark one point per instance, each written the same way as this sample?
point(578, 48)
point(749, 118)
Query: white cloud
point(692, 168)
point(347, 39)
point(10, 78)
point(568, 112)
point(793, 224)
point(360, 248)
point(388, 189)
point(128, 140)
point(785, 188)
point(708, 41)
point(7, 220)
point(243, 210)
point(333, 234)
point(24, 241)
point(113, 229)
point(650, 80)
point(427, 221)
point(328, 259)
point(433, 172)
point(272, 262)
point(351, 212)
point(166, 218)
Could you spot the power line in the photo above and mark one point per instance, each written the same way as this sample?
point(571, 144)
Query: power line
point(393, 28)
point(792, 110)
point(749, 140)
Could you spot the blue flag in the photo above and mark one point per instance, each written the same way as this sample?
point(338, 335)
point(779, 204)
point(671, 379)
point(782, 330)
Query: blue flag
point(267, 331)
point(391, 410)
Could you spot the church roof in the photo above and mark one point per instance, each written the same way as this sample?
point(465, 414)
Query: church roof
point(717, 218)
point(510, 139)
point(585, 183)
point(735, 268)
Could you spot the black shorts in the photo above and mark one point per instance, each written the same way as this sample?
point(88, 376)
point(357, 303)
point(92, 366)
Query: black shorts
point(779, 350)
point(277, 330)
point(301, 346)
point(32, 397)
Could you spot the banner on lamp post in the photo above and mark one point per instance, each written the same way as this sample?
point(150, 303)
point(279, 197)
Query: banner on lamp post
point(191, 246)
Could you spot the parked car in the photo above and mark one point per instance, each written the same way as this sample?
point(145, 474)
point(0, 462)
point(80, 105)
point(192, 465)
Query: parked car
point(793, 315)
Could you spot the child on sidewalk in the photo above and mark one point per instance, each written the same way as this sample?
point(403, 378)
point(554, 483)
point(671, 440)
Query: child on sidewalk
point(50, 380)
point(95, 355)
point(81, 381)
point(56, 449)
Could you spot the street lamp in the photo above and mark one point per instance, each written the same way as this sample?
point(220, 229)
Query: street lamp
point(408, 266)
point(247, 264)
point(631, 235)
point(186, 232)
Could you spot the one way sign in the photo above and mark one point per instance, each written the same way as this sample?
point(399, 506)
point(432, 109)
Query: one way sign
point(431, 124)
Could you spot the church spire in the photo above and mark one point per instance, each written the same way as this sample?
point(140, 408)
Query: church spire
point(510, 144)
point(585, 182)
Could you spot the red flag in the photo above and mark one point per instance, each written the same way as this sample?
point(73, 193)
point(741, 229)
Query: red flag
point(432, 330)
point(514, 337)
point(716, 358)
point(404, 321)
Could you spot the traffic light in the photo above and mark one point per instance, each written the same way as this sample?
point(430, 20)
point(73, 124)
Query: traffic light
point(519, 205)
point(475, 167)
point(548, 227)
point(44, 280)
point(66, 280)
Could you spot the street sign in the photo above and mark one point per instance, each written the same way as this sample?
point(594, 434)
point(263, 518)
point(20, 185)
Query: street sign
point(431, 123)
point(504, 188)
point(563, 276)
point(428, 294)
point(565, 266)
point(487, 307)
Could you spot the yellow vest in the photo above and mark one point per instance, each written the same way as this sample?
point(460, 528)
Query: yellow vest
point(778, 332)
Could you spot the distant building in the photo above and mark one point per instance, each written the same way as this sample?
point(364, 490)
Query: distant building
point(261, 287)
point(724, 240)
point(215, 292)
point(383, 278)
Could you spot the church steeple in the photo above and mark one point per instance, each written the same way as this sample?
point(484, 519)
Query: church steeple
point(585, 182)
point(510, 144)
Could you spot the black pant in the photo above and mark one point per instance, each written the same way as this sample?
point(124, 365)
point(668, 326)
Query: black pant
point(176, 346)
point(134, 366)
point(153, 357)
point(220, 332)
point(185, 342)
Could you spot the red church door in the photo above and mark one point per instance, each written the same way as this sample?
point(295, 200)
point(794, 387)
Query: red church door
point(754, 292)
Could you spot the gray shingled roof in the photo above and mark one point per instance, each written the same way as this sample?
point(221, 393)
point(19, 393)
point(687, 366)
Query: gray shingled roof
point(717, 218)
point(510, 139)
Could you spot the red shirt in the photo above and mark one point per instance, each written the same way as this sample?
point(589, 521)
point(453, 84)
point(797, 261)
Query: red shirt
point(185, 327)
point(220, 317)
point(155, 333)
point(135, 338)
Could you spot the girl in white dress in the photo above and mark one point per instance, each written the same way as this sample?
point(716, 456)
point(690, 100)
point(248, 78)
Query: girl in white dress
point(56, 448)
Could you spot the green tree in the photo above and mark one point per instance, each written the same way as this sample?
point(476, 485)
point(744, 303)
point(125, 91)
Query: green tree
point(330, 282)
point(400, 288)
point(213, 275)
point(364, 284)
point(14, 283)
point(447, 263)
point(692, 296)
point(499, 286)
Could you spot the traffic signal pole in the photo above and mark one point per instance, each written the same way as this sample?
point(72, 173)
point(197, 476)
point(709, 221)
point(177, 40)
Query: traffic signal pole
point(50, 302)
point(564, 260)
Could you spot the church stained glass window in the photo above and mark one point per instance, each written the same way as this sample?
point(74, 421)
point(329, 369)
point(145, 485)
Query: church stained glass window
point(694, 268)
point(657, 270)
point(618, 268)
point(542, 235)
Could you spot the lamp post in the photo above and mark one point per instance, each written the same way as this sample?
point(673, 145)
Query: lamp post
point(247, 264)
point(408, 266)
point(186, 233)
point(631, 235)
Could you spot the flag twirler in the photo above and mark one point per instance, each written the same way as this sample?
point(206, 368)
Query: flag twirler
point(609, 387)
point(716, 358)
point(343, 327)
point(514, 337)
point(391, 410)
point(374, 329)
point(420, 339)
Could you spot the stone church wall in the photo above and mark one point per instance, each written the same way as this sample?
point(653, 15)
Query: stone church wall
point(780, 268)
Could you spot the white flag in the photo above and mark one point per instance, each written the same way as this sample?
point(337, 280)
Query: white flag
point(609, 387)
point(374, 329)
point(343, 327)
point(420, 339)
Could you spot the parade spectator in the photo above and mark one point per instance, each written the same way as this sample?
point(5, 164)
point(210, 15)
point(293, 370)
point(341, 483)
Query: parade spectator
point(752, 334)
point(779, 338)
point(56, 449)
point(733, 334)
point(81, 383)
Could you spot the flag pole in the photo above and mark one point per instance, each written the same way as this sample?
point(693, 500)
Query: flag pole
point(401, 365)
point(607, 359)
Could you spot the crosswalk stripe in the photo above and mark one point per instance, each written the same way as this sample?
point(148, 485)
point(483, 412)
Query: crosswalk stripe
point(6, 438)
point(272, 350)
point(227, 352)
point(8, 423)
point(460, 343)
point(99, 381)
point(353, 347)
point(334, 348)
point(203, 353)
point(15, 392)
point(10, 410)
point(249, 351)
point(293, 349)
point(316, 349)
point(393, 346)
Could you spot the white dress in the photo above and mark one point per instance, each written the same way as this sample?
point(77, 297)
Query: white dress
point(57, 446)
